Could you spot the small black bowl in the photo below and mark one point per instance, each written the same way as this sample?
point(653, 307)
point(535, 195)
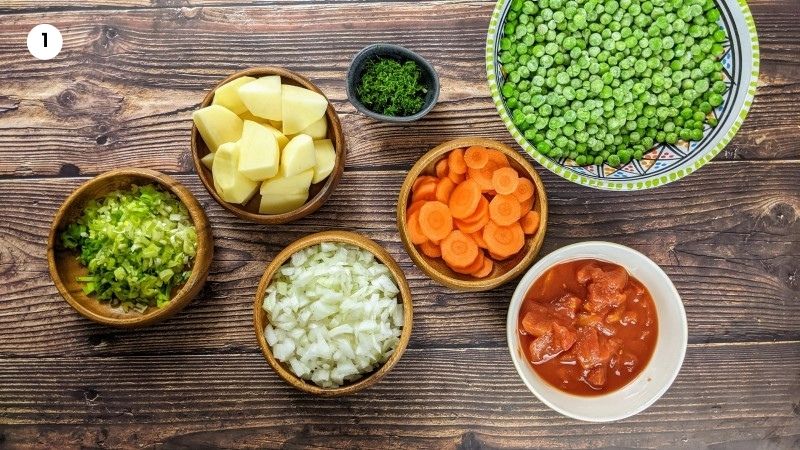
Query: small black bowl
point(374, 51)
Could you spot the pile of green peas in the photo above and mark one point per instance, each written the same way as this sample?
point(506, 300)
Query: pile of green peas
point(602, 81)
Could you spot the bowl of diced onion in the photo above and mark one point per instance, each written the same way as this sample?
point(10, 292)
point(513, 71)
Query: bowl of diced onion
point(333, 313)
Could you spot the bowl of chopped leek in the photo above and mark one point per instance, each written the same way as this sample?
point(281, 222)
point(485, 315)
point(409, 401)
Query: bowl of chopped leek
point(622, 95)
point(129, 248)
point(333, 313)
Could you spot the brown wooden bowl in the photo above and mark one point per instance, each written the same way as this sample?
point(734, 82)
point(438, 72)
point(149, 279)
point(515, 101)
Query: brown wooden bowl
point(318, 193)
point(64, 266)
point(503, 271)
point(260, 319)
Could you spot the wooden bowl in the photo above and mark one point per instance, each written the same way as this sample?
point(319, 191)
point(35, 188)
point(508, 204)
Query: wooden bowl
point(260, 319)
point(319, 192)
point(64, 266)
point(503, 271)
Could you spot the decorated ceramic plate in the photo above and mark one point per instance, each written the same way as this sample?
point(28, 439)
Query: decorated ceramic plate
point(663, 163)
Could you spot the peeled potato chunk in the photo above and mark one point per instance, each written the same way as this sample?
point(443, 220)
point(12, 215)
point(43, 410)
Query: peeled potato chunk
point(318, 129)
point(259, 155)
point(282, 204)
point(301, 107)
point(262, 97)
point(295, 184)
point(208, 160)
point(227, 95)
point(298, 155)
point(326, 159)
point(232, 185)
point(217, 125)
point(282, 139)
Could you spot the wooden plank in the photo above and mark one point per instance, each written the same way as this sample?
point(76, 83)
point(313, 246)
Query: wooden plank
point(727, 236)
point(126, 83)
point(724, 395)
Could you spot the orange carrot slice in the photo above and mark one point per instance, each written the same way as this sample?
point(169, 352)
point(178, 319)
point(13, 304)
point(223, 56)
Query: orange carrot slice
point(425, 191)
point(484, 176)
point(485, 270)
point(530, 222)
point(441, 168)
point(444, 189)
point(504, 241)
point(455, 161)
point(526, 206)
point(420, 180)
point(430, 249)
point(480, 212)
point(458, 250)
point(504, 209)
point(498, 158)
point(525, 189)
point(414, 231)
point(465, 199)
point(505, 180)
point(435, 220)
point(471, 227)
point(457, 177)
point(476, 157)
point(414, 207)
point(474, 267)
point(478, 238)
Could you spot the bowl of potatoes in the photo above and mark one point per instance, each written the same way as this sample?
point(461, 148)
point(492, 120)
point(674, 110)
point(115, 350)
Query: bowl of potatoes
point(268, 145)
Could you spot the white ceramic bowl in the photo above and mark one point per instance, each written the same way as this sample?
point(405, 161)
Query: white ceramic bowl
point(667, 357)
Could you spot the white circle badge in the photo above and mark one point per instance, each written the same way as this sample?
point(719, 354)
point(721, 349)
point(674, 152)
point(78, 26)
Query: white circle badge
point(44, 41)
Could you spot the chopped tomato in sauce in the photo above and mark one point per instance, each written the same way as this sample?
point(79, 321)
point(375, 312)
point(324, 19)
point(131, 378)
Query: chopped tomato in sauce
point(587, 327)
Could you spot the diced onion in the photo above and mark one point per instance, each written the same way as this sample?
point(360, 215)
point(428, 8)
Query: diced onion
point(334, 314)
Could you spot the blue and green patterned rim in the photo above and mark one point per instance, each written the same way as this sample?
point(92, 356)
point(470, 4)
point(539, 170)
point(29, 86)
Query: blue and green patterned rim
point(689, 163)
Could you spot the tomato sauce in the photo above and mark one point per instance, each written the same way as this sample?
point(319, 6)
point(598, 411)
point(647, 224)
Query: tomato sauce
point(587, 327)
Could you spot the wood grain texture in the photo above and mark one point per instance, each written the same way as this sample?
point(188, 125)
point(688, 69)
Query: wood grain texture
point(438, 398)
point(126, 83)
point(733, 254)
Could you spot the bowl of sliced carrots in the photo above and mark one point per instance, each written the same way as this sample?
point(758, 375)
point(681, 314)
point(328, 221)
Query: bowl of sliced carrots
point(472, 214)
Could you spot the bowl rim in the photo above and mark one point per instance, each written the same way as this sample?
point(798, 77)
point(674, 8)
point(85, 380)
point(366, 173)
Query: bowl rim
point(334, 129)
point(419, 260)
point(671, 175)
point(374, 49)
point(200, 266)
point(559, 256)
point(357, 240)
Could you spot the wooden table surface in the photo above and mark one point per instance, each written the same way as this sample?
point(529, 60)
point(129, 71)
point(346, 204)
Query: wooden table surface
point(121, 93)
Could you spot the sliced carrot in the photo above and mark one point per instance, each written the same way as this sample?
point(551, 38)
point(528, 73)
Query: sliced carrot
point(444, 189)
point(530, 222)
point(425, 191)
point(414, 230)
point(476, 157)
point(485, 270)
point(480, 212)
point(525, 189)
point(471, 227)
point(465, 199)
point(459, 250)
point(415, 206)
point(504, 209)
point(484, 176)
point(435, 220)
point(420, 180)
point(526, 206)
point(474, 267)
point(505, 180)
point(441, 168)
point(504, 241)
point(457, 177)
point(455, 161)
point(478, 238)
point(499, 158)
point(430, 249)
